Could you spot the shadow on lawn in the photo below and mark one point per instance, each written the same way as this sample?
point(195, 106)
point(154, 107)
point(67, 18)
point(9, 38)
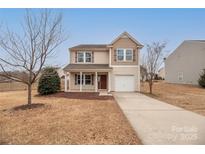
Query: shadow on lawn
point(150, 95)
point(27, 107)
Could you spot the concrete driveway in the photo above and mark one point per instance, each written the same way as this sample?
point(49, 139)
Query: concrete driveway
point(157, 122)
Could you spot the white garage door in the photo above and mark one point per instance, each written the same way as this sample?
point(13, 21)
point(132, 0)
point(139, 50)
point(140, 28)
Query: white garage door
point(124, 83)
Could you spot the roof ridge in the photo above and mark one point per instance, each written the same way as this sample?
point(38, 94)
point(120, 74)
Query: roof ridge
point(196, 40)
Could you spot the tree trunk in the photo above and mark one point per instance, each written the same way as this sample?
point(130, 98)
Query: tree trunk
point(29, 94)
point(150, 86)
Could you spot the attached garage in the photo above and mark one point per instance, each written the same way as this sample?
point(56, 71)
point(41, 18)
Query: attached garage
point(124, 83)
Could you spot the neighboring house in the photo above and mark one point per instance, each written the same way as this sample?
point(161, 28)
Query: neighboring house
point(185, 64)
point(161, 73)
point(111, 67)
point(61, 74)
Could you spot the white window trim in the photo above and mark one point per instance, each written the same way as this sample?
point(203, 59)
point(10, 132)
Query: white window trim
point(124, 54)
point(78, 75)
point(83, 79)
point(118, 54)
point(78, 57)
point(84, 56)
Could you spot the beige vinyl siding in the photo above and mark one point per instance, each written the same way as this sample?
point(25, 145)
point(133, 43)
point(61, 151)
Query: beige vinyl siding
point(124, 43)
point(100, 57)
point(72, 57)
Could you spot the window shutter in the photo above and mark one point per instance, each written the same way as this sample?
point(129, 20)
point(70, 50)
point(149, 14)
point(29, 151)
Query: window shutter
point(134, 55)
point(115, 55)
point(92, 57)
point(76, 79)
point(92, 77)
point(76, 56)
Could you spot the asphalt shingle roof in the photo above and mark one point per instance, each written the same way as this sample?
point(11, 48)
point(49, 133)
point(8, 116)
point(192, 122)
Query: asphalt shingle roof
point(90, 46)
point(86, 66)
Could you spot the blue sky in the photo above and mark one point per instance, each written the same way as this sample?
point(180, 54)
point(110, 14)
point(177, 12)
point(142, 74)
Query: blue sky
point(103, 25)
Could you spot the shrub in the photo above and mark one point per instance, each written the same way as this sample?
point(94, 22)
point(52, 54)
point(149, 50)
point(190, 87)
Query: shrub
point(49, 81)
point(202, 79)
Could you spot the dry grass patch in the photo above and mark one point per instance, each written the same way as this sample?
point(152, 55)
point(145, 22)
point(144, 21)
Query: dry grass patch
point(63, 121)
point(186, 96)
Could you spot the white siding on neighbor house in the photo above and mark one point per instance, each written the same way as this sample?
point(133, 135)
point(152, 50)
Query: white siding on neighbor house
point(185, 64)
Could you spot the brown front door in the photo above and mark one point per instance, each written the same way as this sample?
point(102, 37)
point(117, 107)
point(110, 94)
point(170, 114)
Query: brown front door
point(102, 84)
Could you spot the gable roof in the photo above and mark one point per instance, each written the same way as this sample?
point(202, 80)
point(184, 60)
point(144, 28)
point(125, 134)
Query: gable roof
point(199, 43)
point(105, 46)
point(126, 34)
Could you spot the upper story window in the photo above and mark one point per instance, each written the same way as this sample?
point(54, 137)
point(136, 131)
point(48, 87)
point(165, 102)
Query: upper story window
point(120, 54)
point(124, 54)
point(129, 54)
point(88, 56)
point(80, 57)
point(84, 57)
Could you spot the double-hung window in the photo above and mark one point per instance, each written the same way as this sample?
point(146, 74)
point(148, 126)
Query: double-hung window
point(80, 57)
point(124, 54)
point(85, 80)
point(88, 56)
point(129, 54)
point(120, 54)
point(77, 79)
point(88, 79)
point(84, 57)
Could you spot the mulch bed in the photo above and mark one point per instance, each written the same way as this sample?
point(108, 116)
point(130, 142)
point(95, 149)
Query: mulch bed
point(81, 95)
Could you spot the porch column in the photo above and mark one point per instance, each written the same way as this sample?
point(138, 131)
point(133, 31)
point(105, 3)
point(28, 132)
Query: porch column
point(81, 81)
point(96, 81)
point(109, 82)
point(138, 77)
point(66, 82)
point(69, 81)
point(110, 50)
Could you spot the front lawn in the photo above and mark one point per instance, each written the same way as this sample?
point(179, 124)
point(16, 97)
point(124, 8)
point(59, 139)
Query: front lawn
point(185, 96)
point(63, 120)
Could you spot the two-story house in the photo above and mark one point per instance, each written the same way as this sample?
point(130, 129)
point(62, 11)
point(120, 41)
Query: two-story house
point(111, 67)
point(185, 64)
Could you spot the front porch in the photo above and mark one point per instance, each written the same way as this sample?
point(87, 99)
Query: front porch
point(87, 81)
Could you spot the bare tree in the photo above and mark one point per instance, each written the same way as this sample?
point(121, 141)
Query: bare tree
point(153, 60)
point(143, 68)
point(25, 53)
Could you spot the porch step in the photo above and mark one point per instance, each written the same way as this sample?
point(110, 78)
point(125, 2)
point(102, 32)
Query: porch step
point(104, 93)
